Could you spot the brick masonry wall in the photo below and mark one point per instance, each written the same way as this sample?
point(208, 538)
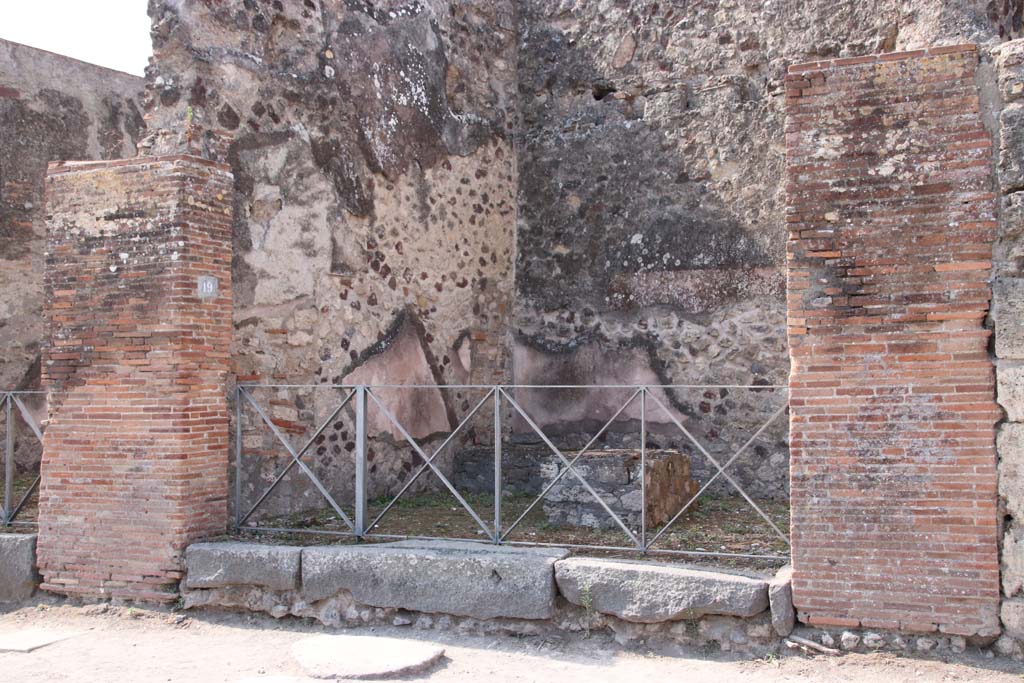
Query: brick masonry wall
point(135, 452)
point(891, 219)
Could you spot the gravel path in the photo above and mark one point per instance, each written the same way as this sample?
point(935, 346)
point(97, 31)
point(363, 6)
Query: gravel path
point(124, 644)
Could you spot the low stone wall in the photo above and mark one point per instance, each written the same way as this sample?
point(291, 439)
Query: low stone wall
point(18, 576)
point(490, 589)
point(484, 589)
point(613, 473)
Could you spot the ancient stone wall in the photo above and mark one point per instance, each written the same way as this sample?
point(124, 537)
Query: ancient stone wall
point(1007, 319)
point(136, 447)
point(891, 219)
point(375, 208)
point(651, 234)
point(51, 108)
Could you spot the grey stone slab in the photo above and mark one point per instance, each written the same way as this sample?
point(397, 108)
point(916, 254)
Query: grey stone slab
point(216, 565)
point(780, 599)
point(648, 592)
point(445, 577)
point(362, 657)
point(18, 576)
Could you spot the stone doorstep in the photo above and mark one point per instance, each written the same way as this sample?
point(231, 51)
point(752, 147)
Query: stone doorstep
point(652, 592)
point(226, 563)
point(444, 577)
point(481, 581)
point(18, 575)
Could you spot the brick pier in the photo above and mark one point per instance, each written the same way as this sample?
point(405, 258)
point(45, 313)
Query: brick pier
point(135, 453)
point(891, 219)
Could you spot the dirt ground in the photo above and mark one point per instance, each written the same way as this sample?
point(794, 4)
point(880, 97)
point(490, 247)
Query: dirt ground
point(133, 645)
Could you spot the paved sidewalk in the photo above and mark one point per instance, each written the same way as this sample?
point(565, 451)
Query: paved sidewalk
point(124, 644)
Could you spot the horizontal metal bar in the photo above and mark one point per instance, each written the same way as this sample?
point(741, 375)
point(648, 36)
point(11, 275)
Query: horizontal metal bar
point(287, 530)
point(532, 544)
point(517, 386)
point(660, 551)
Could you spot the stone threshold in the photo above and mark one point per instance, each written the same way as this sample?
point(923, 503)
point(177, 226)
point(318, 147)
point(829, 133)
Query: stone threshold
point(490, 588)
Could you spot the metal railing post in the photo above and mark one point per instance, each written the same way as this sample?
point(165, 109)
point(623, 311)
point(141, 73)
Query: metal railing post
point(238, 456)
point(9, 463)
point(360, 518)
point(497, 465)
point(643, 470)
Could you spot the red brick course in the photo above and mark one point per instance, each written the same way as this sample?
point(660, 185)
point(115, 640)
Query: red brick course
point(135, 452)
point(891, 220)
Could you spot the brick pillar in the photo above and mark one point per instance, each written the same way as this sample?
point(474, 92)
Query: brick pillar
point(135, 452)
point(891, 220)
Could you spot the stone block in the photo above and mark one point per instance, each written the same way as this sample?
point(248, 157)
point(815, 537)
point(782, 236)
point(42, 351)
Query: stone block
point(18, 576)
point(648, 592)
point(1010, 390)
point(1012, 560)
point(1008, 59)
point(1011, 148)
point(613, 473)
point(1010, 445)
point(1012, 615)
point(446, 577)
point(1008, 313)
point(780, 599)
point(1009, 252)
point(615, 476)
point(216, 565)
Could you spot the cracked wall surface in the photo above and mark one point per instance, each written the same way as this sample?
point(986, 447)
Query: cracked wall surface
point(397, 161)
point(51, 108)
point(651, 230)
point(375, 200)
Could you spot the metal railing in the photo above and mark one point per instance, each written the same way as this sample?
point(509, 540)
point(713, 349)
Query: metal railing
point(360, 400)
point(12, 404)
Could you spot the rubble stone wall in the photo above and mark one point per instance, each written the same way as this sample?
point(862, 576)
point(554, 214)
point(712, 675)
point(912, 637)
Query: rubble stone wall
point(651, 235)
point(375, 201)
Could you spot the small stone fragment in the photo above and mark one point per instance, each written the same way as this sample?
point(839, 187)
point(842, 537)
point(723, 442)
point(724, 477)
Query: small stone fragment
point(343, 656)
point(873, 641)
